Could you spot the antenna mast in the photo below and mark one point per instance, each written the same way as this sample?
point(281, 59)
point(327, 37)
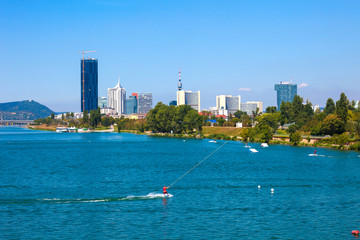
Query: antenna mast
point(179, 84)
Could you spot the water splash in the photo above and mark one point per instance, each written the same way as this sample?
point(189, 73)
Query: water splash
point(83, 200)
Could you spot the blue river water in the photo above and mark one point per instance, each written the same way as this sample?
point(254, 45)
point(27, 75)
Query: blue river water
point(109, 186)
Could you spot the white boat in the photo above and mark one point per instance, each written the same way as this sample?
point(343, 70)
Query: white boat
point(264, 145)
point(61, 129)
point(253, 150)
point(212, 141)
point(72, 129)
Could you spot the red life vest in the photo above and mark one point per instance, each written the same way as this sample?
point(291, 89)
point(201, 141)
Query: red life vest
point(164, 190)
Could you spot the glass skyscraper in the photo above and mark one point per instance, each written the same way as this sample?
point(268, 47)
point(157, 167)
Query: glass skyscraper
point(286, 92)
point(144, 102)
point(89, 84)
point(131, 105)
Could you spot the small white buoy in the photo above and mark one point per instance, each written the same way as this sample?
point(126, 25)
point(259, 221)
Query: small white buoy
point(272, 190)
point(184, 140)
point(259, 186)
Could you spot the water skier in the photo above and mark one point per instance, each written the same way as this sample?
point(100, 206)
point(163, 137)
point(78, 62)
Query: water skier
point(165, 192)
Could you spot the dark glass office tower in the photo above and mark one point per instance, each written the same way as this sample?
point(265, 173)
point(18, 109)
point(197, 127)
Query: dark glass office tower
point(89, 84)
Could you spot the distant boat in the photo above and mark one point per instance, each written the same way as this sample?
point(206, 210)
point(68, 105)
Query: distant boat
point(264, 145)
point(253, 150)
point(72, 129)
point(247, 145)
point(212, 141)
point(62, 129)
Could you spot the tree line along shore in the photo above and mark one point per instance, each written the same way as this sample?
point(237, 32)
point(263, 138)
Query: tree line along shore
point(337, 126)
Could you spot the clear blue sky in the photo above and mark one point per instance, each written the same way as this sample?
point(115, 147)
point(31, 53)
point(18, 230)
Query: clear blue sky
point(222, 47)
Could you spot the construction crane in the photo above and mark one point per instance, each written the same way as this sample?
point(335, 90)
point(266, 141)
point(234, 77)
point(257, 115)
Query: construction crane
point(83, 76)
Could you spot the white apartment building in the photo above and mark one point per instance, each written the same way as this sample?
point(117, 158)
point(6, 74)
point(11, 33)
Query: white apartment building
point(228, 102)
point(116, 98)
point(189, 98)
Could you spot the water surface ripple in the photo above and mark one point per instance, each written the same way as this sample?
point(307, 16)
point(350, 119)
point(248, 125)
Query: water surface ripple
point(108, 186)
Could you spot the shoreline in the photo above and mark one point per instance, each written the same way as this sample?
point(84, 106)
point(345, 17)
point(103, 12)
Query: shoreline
point(275, 141)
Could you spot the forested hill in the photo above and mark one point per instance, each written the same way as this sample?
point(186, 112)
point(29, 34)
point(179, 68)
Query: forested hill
point(24, 110)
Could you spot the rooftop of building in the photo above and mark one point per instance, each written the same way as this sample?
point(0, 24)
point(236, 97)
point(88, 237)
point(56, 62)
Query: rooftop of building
point(286, 83)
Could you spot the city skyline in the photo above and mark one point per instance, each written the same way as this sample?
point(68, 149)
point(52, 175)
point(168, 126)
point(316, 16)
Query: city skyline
point(228, 48)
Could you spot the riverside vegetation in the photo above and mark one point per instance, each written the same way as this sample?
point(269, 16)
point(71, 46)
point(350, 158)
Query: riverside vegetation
point(337, 126)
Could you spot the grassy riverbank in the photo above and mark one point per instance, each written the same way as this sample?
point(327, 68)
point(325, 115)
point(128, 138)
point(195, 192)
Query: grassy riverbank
point(344, 142)
point(235, 134)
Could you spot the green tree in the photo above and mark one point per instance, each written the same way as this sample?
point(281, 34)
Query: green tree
point(92, 118)
point(291, 129)
point(107, 121)
point(268, 119)
point(221, 121)
point(235, 120)
point(295, 138)
point(121, 124)
point(159, 118)
point(85, 117)
point(248, 134)
point(330, 107)
point(332, 124)
point(192, 120)
point(52, 115)
point(298, 108)
point(239, 114)
point(256, 113)
point(286, 113)
point(95, 117)
point(308, 110)
point(357, 126)
point(244, 134)
point(265, 132)
point(342, 139)
point(351, 105)
point(178, 119)
point(271, 109)
point(251, 134)
point(341, 107)
point(141, 127)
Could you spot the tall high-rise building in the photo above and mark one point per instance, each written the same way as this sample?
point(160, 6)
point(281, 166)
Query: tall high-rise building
point(189, 98)
point(131, 105)
point(145, 102)
point(89, 84)
point(228, 102)
point(286, 92)
point(116, 98)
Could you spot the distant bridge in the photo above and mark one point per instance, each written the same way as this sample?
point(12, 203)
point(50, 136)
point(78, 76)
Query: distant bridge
point(15, 122)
